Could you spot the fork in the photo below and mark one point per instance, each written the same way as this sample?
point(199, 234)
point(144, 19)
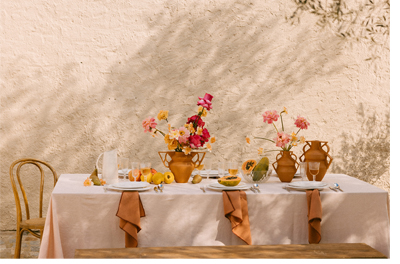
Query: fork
point(202, 188)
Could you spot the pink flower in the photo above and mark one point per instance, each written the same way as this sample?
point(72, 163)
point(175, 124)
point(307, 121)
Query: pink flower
point(148, 124)
point(301, 122)
point(195, 141)
point(282, 139)
point(206, 101)
point(270, 116)
point(183, 135)
point(192, 119)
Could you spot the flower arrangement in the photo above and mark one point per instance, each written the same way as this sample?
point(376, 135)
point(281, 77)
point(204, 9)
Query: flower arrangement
point(192, 135)
point(283, 140)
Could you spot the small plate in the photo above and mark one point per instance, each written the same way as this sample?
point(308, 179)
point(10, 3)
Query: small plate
point(220, 187)
point(130, 185)
point(307, 185)
point(141, 189)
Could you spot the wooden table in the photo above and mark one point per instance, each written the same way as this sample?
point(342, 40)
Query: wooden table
point(343, 250)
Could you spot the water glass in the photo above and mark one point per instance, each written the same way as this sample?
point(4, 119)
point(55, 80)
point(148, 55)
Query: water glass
point(123, 165)
point(303, 171)
point(221, 169)
point(208, 167)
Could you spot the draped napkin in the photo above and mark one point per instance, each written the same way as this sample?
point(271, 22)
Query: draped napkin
point(314, 216)
point(235, 209)
point(130, 210)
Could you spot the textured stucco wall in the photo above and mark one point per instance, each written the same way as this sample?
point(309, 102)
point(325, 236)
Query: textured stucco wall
point(78, 77)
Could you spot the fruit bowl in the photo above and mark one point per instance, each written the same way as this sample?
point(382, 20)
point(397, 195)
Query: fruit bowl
point(265, 175)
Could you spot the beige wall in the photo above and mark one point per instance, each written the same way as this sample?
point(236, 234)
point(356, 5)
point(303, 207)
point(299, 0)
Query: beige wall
point(78, 77)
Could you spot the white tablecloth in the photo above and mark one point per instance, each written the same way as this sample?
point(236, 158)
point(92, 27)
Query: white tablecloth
point(84, 217)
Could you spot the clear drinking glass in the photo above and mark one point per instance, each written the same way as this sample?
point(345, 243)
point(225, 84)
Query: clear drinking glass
point(123, 165)
point(208, 165)
point(233, 168)
point(135, 171)
point(303, 171)
point(221, 169)
point(313, 167)
point(145, 169)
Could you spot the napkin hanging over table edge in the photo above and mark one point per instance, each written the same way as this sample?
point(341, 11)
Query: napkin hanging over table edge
point(130, 210)
point(236, 210)
point(314, 216)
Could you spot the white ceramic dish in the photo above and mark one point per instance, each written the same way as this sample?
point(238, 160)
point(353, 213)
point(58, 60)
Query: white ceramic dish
point(130, 185)
point(307, 185)
point(140, 189)
point(220, 187)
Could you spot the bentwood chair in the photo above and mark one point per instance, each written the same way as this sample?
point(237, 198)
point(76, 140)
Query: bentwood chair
point(29, 224)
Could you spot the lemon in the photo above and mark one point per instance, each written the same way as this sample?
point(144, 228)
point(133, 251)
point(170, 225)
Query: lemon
point(168, 177)
point(158, 178)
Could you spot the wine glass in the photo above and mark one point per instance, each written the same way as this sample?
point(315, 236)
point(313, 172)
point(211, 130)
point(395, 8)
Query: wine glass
point(145, 169)
point(221, 169)
point(208, 165)
point(135, 170)
point(124, 166)
point(313, 167)
point(199, 167)
point(233, 168)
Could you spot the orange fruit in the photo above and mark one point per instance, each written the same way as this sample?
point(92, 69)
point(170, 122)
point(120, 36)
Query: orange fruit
point(136, 173)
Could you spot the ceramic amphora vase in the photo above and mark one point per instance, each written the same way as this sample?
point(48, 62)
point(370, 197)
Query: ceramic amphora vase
point(181, 165)
point(285, 165)
point(313, 151)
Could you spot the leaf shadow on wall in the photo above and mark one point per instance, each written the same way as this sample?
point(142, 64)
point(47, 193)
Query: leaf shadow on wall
point(233, 53)
point(366, 155)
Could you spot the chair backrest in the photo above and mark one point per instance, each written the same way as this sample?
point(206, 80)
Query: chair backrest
point(18, 164)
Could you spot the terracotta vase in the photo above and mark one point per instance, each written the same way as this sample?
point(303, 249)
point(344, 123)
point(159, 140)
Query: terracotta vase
point(285, 165)
point(181, 165)
point(313, 151)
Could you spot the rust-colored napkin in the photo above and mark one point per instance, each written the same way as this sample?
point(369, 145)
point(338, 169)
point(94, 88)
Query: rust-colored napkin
point(130, 210)
point(235, 209)
point(314, 216)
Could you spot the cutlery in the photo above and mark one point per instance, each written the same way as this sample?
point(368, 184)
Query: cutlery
point(202, 188)
point(255, 186)
point(155, 189)
point(161, 187)
point(333, 189)
point(252, 189)
point(337, 186)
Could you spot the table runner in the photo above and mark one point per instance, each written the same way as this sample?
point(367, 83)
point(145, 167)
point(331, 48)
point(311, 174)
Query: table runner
point(84, 217)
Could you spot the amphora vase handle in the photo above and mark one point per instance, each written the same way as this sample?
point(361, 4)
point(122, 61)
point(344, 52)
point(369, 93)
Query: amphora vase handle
point(198, 160)
point(295, 160)
point(327, 154)
point(164, 159)
point(273, 164)
point(303, 157)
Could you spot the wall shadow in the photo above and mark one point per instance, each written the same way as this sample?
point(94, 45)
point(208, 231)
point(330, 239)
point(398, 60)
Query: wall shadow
point(366, 155)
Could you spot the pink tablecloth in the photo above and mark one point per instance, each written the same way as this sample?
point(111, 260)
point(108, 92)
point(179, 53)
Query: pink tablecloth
point(84, 217)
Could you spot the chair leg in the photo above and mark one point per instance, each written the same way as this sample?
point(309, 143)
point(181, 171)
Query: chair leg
point(18, 244)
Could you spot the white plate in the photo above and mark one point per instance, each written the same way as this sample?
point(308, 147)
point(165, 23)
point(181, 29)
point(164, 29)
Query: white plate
point(130, 185)
point(213, 173)
point(307, 185)
point(220, 187)
point(141, 189)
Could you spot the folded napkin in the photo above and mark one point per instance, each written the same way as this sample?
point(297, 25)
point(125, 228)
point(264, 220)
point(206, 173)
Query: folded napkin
point(235, 209)
point(314, 216)
point(130, 210)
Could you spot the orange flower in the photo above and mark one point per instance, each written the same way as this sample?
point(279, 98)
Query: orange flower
point(209, 147)
point(87, 182)
point(260, 151)
point(103, 182)
point(212, 140)
point(248, 140)
point(187, 150)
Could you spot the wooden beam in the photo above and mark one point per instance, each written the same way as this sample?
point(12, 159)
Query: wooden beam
point(309, 251)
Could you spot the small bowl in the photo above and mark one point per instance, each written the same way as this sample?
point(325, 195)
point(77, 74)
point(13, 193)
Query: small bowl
point(248, 177)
